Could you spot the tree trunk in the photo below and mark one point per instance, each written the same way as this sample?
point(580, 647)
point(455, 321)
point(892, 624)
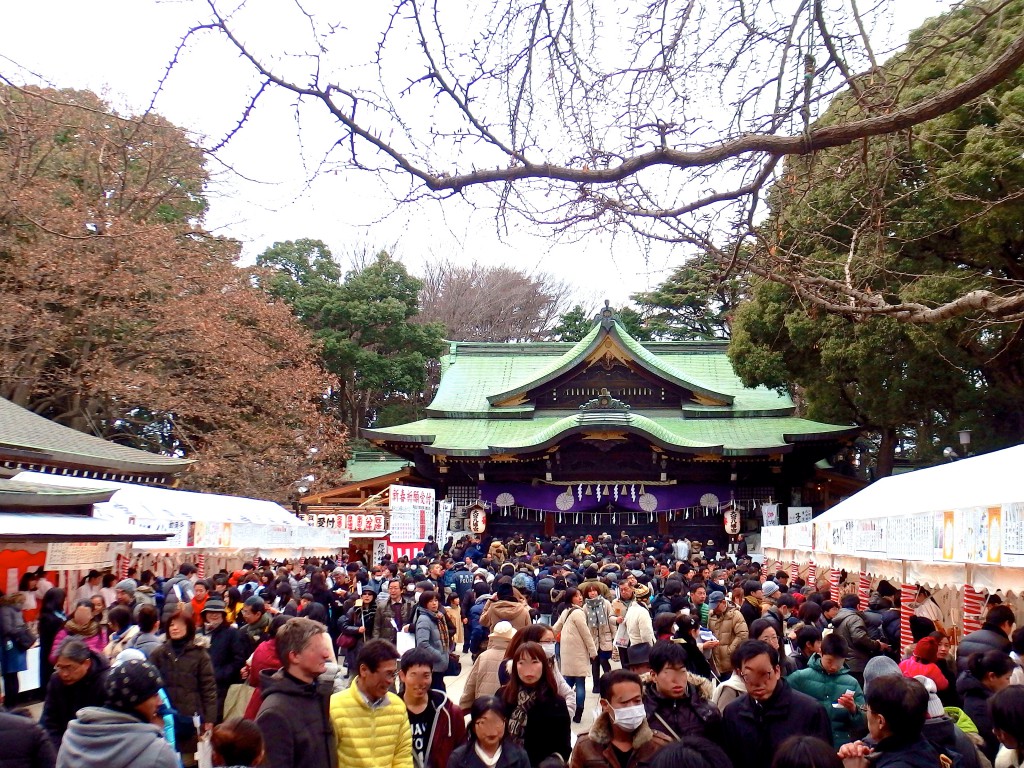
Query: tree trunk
point(886, 452)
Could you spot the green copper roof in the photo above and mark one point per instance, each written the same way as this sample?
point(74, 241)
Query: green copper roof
point(729, 437)
point(473, 371)
point(463, 422)
point(367, 465)
point(579, 351)
point(32, 438)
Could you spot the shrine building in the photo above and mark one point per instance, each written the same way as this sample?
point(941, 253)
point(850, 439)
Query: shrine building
point(610, 434)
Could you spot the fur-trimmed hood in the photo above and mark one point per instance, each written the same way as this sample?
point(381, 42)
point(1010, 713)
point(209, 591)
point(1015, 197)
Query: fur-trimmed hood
point(15, 599)
point(601, 732)
point(705, 688)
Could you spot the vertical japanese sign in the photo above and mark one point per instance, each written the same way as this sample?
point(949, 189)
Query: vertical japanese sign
point(412, 513)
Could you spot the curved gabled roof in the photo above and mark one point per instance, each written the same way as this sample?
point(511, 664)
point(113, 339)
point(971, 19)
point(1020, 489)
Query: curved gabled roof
point(603, 333)
point(481, 438)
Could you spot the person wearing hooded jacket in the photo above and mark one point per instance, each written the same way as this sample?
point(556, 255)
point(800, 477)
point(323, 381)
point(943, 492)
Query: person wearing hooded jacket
point(124, 732)
point(620, 728)
point(437, 724)
point(483, 677)
point(293, 716)
point(828, 680)
point(504, 607)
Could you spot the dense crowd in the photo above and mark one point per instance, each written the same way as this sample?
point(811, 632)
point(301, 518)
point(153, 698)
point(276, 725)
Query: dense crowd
point(699, 661)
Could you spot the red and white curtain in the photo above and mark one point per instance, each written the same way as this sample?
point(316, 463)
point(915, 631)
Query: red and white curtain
point(408, 548)
point(908, 594)
point(974, 604)
point(863, 591)
point(833, 584)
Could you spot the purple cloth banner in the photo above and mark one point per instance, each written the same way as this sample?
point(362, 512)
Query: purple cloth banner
point(544, 496)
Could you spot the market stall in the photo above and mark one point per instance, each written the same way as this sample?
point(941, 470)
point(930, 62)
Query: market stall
point(223, 530)
point(957, 528)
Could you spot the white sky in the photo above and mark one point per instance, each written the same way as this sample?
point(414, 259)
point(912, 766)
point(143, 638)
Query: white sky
point(119, 48)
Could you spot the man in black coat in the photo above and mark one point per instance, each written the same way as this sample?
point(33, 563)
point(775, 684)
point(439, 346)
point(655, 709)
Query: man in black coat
point(26, 744)
point(77, 682)
point(770, 712)
point(294, 719)
point(994, 635)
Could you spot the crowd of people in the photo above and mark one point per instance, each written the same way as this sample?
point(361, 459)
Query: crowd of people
point(698, 660)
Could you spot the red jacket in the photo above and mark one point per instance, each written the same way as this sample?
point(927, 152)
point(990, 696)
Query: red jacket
point(913, 666)
point(264, 657)
point(449, 732)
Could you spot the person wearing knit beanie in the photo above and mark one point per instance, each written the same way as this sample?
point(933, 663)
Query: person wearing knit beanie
point(127, 731)
point(124, 592)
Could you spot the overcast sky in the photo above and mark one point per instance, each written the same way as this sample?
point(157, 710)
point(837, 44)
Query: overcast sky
point(119, 48)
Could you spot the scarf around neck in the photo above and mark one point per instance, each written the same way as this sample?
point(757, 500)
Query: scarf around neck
point(596, 614)
point(89, 629)
point(516, 723)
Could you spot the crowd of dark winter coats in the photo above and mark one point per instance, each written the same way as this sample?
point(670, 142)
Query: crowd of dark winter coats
point(699, 656)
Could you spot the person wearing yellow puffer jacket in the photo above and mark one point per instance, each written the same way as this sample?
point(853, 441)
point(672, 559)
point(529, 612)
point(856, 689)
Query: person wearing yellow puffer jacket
point(370, 723)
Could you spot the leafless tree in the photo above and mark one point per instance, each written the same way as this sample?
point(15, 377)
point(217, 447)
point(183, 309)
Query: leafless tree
point(664, 118)
point(483, 303)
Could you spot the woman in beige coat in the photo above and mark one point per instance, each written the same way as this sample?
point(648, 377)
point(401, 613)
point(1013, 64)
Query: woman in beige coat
point(577, 647)
point(598, 610)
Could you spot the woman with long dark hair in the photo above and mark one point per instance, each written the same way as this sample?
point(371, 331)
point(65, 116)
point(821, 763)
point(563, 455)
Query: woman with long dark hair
point(537, 717)
point(488, 745)
point(51, 620)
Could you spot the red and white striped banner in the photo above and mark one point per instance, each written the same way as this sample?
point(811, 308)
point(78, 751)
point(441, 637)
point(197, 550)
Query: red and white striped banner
point(794, 571)
point(201, 566)
point(812, 575)
point(974, 604)
point(833, 584)
point(408, 549)
point(908, 594)
point(123, 564)
point(863, 591)
point(764, 570)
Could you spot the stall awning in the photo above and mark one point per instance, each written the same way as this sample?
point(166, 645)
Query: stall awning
point(79, 528)
point(148, 502)
point(992, 478)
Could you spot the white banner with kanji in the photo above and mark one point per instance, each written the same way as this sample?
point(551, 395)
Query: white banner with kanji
point(412, 513)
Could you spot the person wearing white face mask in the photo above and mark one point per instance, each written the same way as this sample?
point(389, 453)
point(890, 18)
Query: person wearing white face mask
point(620, 736)
point(578, 647)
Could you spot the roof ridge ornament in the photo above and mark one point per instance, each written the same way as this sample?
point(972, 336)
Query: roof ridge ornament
point(607, 317)
point(604, 402)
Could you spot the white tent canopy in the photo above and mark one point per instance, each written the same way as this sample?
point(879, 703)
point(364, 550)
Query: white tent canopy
point(956, 523)
point(150, 502)
point(201, 521)
point(993, 478)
